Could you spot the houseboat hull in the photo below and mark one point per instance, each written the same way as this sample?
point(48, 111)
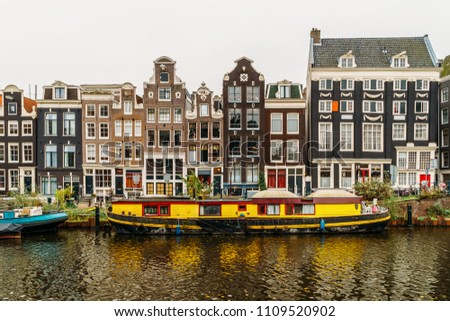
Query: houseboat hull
point(268, 212)
point(367, 223)
point(39, 223)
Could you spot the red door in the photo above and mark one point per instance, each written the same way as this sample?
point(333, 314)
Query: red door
point(426, 178)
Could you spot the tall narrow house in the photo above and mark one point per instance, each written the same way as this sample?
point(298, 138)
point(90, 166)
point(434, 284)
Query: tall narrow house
point(113, 140)
point(59, 148)
point(285, 142)
point(374, 110)
point(166, 100)
point(243, 106)
point(17, 141)
point(444, 105)
point(204, 123)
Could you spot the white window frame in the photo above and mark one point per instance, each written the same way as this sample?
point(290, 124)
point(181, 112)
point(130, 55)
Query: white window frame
point(251, 113)
point(24, 160)
point(293, 117)
point(350, 84)
point(346, 146)
point(74, 156)
point(101, 156)
point(326, 84)
point(345, 168)
point(3, 179)
point(91, 153)
point(2, 128)
point(398, 85)
point(92, 125)
point(26, 123)
point(347, 62)
point(379, 106)
point(329, 168)
point(234, 94)
point(325, 106)
point(295, 145)
point(14, 104)
point(444, 120)
point(178, 115)
point(403, 137)
point(397, 107)
point(69, 122)
point(443, 144)
point(59, 97)
point(46, 161)
point(16, 147)
point(164, 94)
point(417, 131)
point(444, 95)
point(164, 118)
point(10, 177)
point(103, 126)
point(328, 139)
point(379, 84)
point(128, 128)
point(13, 124)
point(100, 107)
point(276, 144)
point(3, 154)
point(151, 117)
point(372, 147)
point(422, 84)
point(424, 106)
point(253, 94)
point(118, 128)
point(137, 128)
point(279, 117)
point(90, 111)
point(47, 122)
point(127, 107)
point(349, 106)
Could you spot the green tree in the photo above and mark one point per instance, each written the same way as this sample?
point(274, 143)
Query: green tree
point(374, 188)
point(262, 181)
point(445, 67)
point(196, 187)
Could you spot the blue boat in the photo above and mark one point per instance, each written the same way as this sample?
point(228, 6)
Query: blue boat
point(33, 220)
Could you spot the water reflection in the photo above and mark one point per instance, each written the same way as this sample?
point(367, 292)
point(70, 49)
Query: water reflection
point(80, 265)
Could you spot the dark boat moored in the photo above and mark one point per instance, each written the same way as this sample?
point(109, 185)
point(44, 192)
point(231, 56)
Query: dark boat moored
point(10, 231)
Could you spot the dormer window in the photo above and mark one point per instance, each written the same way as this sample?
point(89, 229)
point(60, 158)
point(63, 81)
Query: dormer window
point(164, 77)
point(60, 93)
point(400, 60)
point(347, 60)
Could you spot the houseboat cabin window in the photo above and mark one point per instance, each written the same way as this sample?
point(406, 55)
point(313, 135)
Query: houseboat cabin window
point(210, 210)
point(242, 208)
point(270, 209)
point(151, 210)
point(299, 209)
point(156, 210)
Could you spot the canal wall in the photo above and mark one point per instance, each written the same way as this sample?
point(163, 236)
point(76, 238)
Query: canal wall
point(420, 216)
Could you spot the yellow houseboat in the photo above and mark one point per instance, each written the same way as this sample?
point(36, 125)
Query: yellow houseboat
point(270, 211)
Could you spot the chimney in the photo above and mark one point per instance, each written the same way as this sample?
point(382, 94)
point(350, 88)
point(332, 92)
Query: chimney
point(315, 35)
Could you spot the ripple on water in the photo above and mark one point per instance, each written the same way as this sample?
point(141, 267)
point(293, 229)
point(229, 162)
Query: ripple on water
point(78, 265)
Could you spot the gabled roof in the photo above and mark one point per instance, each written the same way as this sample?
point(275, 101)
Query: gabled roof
point(374, 52)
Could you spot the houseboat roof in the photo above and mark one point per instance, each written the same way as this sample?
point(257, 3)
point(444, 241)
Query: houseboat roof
point(275, 193)
point(331, 193)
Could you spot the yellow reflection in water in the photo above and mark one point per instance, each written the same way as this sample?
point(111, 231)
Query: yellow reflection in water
point(336, 258)
point(185, 257)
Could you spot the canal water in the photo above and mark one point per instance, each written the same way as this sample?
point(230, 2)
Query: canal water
point(398, 264)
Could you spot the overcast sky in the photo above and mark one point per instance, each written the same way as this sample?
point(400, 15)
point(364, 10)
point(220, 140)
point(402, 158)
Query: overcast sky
point(112, 41)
